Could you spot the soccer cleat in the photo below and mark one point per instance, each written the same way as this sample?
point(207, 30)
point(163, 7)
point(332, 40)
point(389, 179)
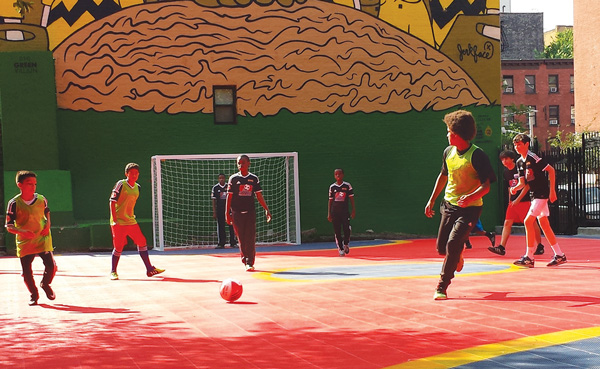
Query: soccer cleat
point(539, 250)
point(33, 300)
point(154, 271)
point(500, 250)
point(114, 276)
point(468, 244)
point(440, 295)
point(249, 268)
point(49, 293)
point(525, 261)
point(557, 260)
point(461, 263)
point(492, 237)
point(342, 253)
point(346, 249)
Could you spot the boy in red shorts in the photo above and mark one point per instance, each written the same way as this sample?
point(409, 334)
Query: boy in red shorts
point(122, 220)
point(518, 205)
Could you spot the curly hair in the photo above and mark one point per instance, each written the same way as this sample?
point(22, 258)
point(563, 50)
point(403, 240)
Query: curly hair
point(462, 123)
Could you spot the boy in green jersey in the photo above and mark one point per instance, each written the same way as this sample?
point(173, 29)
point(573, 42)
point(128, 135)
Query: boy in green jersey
point(122, 220)
point(466, 174)
point(28, 217)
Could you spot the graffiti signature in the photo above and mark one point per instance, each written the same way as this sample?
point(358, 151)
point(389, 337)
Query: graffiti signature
point(473, 50)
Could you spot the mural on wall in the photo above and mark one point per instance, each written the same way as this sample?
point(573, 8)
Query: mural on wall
point(303, 56)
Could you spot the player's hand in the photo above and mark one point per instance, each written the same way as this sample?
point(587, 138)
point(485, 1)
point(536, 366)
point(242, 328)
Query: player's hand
point(45, 231)
point(429, 210)
point(553, 196)
point(353, 213)
point(228, 219)
point(329, 218)
point(268, 214)
point(464, 201)
point(512, 190)
point(28, 235)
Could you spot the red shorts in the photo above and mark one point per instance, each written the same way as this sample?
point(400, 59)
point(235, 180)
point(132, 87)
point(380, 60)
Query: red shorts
point(518, 212)
point(120, 233)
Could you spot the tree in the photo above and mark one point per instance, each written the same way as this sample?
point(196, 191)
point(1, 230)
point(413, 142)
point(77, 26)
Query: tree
point(560, 48)
point(23, 6)
point(515, 118)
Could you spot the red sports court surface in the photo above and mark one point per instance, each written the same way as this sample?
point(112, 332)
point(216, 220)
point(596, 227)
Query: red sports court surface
point(306, 307)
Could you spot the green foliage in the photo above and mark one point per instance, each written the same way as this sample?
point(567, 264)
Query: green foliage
point(23, 6)
point(516, 121)
point(560, 48)
point(568, 140)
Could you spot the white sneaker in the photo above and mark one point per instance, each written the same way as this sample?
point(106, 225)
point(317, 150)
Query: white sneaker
point(249, 267)
point(342, 253)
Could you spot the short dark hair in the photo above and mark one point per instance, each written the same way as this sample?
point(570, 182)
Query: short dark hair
point(131, 166)
point(508, 154)
point(462, 123)
point(222, 174)
point(23, 175)
point(522, 137)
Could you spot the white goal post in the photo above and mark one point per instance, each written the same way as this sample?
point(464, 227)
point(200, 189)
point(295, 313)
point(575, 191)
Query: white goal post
point(182, 211)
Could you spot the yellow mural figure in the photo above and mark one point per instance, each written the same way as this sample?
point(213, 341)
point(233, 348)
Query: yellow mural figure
point(411, 16)
point(63, 17)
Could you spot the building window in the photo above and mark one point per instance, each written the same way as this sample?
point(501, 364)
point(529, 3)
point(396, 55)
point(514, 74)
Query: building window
point(572, 114)
point(532, 119)
point(553, 115)
point(553, 83)
point(507, 116)
point(224, 104)
point(507, 85)
point(572, 83)
point(529, 84)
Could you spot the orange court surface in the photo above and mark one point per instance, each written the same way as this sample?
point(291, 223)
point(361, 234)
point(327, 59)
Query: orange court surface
point(307, 307)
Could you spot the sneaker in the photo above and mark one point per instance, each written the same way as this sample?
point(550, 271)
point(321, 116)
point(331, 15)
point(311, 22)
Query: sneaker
point(468, 244)
point(33, 300)
point(346, 249)
point(557, 260)
point(114, 276)
point(525, 261)
point(492, 237)
point(342, 253)
point(539, 250)
point(154, 271)
point(440, 295)
point(249, 268)
point(49, 293)
point(500, 250)
point(461, 263)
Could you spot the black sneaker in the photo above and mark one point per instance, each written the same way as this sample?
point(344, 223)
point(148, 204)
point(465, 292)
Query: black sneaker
point(468, 244)
point(492, 237)
point(500, 250)
point(557, 260)
point(33, 300)
point(539, 250)
point(525, 261)
point(49, 293)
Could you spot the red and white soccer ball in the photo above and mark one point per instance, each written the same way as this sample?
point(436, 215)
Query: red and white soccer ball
point(231, 289)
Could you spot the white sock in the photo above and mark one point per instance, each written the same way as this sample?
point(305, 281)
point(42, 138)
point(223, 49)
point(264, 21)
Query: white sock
point(557, 250)
point(530, 251)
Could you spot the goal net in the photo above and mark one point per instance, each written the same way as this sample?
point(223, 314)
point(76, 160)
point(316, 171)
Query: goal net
point(182, 205)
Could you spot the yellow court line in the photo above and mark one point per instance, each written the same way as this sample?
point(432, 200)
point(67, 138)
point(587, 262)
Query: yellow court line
point(269, 275)
point(484, 352)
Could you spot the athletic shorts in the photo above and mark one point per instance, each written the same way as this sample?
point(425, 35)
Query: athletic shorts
point(120, 233)
point(539, 208)
point(517, 213)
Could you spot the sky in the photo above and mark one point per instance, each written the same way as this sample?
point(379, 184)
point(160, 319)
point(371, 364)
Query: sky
point(556, 12)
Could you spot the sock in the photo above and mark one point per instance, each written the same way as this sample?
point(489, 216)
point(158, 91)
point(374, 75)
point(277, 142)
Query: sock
point(557, 250)
point(146, 259)
point(115, 260)
point(530, 251)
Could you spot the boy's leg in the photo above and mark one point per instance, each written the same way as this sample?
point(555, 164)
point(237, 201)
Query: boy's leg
point(245, 228)
point(26, 262)
point(119, 240)
point(549, 233)
point(221, 228)
point(347, 231)
point(49, 272)
point(337, 221)
point(139, 239)
point(508, 223)
point(232, 239)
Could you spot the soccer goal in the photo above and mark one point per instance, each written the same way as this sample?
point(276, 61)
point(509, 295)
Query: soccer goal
point(182, 204)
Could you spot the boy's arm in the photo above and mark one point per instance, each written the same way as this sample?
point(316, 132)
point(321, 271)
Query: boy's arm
point(552, 178)
point(353, 214)
point(329, 209)
point(440, 183)
point(524, 192)
point(261, 201)
point(228, 219)
point(46, 230)
point(113, 209)
point(520, 185)
point(481, 191)
point(214, 202)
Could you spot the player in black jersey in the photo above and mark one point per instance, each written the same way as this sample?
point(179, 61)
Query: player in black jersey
point(340, 194)
point(240, 210)
point(218, 194)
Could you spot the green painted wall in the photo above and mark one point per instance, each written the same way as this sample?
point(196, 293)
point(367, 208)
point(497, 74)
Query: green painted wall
point(392, 160)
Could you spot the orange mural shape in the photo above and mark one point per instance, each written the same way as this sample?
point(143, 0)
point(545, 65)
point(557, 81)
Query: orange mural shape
point(311, 57)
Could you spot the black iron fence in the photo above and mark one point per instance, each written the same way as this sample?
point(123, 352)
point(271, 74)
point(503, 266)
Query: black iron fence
point(577, 185)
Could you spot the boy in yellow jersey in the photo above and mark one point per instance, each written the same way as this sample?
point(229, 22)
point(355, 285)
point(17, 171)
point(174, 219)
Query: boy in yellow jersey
point(466, 174)
point(122, 220)
point(28, 217)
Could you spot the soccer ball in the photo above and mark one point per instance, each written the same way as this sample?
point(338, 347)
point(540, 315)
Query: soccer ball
point(231, 289)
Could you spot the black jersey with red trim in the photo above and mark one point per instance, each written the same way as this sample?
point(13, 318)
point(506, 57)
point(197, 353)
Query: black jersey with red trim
point(511, 176)
point(340, 194)
point(532, 169)
point(219, 193)
point(243, 189)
